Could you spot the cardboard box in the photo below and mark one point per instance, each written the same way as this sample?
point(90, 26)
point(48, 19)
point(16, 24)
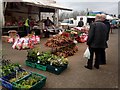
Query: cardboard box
point(5, 38)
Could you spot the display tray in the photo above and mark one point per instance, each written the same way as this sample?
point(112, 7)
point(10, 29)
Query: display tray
point(36, 86)
point(6, 84)
point(9, 76)
point(56, 70)
point(5, 79)
point(30, 64)
point(17, 78)
point(41, 67)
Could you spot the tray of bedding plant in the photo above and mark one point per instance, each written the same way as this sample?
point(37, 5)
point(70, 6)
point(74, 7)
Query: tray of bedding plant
point(51, 63)
point(43, 60)
point(10, 73)
point(57, 64)
point(37, 60)
point(31, 82)
point(32, 58)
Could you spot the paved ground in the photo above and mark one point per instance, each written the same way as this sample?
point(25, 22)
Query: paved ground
point(75, 76)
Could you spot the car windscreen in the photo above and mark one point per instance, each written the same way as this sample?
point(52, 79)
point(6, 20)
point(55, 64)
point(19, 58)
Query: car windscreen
point(65, 21)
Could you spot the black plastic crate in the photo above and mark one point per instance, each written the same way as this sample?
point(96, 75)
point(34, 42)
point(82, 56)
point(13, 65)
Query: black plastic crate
point(56, 70)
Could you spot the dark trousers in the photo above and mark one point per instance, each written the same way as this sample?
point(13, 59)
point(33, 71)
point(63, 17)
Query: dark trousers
point(103, 57)
point(27, 30)
point(97, 52)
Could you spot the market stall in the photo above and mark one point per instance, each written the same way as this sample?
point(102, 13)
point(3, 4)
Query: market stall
point(15, 14)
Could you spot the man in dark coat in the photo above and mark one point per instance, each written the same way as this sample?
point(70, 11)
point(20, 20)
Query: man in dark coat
point(107, 23)
point(48, 23)
point(97, 37)
point(80, 23)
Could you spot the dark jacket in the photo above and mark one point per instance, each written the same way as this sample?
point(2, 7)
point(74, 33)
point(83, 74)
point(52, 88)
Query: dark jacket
point(80, 23)
point(48, 22)
point(107, 23)
point(97, 35)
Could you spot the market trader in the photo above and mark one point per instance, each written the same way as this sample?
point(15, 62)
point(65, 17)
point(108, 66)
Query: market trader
point(48, 23)
point(96, 41)
point(107, 23)
point(27, 25)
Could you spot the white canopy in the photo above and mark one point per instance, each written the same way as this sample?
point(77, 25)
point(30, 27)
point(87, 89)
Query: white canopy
point(45, 3)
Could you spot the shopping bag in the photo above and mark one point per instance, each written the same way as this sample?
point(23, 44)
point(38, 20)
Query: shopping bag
point(87, 53)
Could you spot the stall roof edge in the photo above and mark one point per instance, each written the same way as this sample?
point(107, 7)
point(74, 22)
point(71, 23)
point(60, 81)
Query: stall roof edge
point(40, 3)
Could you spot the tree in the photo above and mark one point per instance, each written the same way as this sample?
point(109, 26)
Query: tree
point(74, 14)
point(83, 13)
point(63, 16)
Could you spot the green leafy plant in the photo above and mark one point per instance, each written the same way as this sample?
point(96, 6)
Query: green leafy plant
point(33, 55)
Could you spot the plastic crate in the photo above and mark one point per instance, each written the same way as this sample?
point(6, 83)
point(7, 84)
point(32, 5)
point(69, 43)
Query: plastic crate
point(6, 84)
point(36, 86)
point(56, 70)
point(7, 78)
point(41, 67)
point(30, 64)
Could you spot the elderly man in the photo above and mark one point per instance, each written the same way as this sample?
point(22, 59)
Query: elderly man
point(107, 23)
point(96, 42)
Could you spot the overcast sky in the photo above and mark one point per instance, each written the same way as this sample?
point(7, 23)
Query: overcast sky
point(108, 6)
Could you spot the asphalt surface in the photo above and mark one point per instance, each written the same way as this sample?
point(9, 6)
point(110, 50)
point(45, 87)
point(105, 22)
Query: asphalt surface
point(75, 76)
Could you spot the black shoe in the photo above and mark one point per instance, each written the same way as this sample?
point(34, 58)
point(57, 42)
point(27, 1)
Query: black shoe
point(88, 67)
point(97, 67)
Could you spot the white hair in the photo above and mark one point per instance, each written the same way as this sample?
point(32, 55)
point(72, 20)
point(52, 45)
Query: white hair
point(103, 16)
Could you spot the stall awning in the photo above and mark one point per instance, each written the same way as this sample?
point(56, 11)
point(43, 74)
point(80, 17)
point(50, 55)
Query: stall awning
point(43, 3)
point(54, 5)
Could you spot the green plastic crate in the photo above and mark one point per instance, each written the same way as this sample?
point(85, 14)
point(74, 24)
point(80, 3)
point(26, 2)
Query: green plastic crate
point(41, 67)
point(9, 85)
point(30, 64)
point(36, 86)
